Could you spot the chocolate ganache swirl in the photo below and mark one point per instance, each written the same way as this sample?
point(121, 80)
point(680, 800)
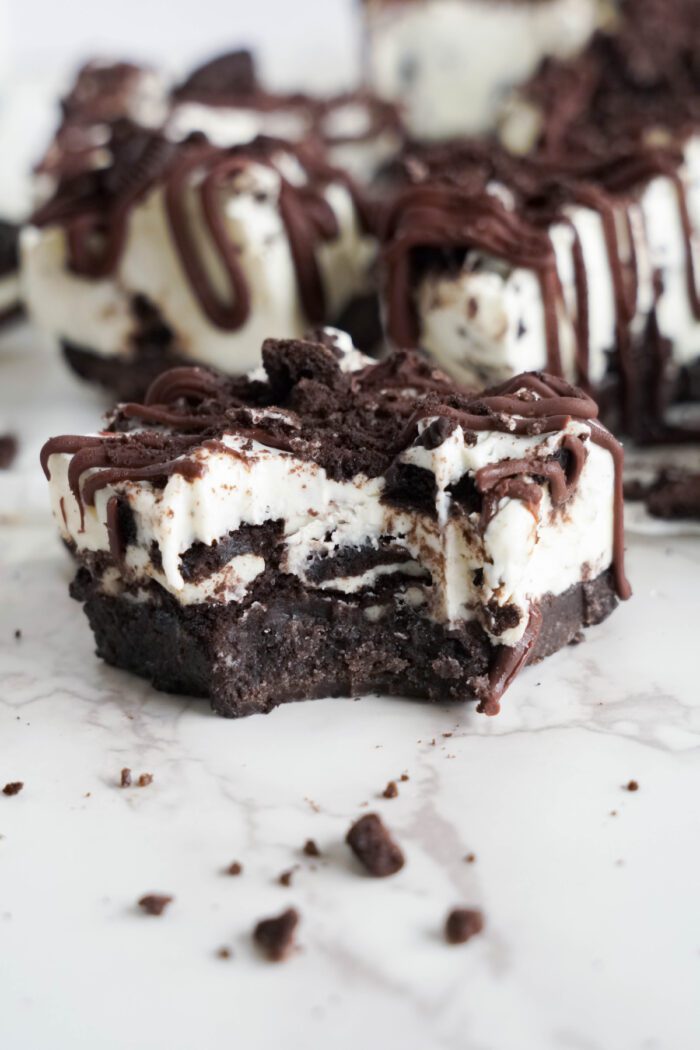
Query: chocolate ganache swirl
point(94, 208)
point(348, 423)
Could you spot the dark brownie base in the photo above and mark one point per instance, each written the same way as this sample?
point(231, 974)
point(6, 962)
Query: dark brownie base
point(286, 643)
point(155, 350)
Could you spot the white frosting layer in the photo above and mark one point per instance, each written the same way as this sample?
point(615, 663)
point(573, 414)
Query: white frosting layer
point(97, 314)
point(486, 323)
point(451, 63)
point(524, 553)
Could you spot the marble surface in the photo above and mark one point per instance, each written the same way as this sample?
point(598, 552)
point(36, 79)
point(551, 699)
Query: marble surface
point(592, 938)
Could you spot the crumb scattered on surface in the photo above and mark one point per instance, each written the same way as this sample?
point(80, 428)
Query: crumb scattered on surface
point(224, 953)
point(447, 735)
point(13, 788)
point(404, 777)
point(391, 790)
point(8, 450)
point(125, 778)
point(144, 780)
point(311, 849)
point(632, 786)
point(372, 844)
point(470, 858)
point(285, 879)
point(613, 812)
point(18, 633)
point(462, 924)
point(155, 903)
point(235, 868)
point(275, 937)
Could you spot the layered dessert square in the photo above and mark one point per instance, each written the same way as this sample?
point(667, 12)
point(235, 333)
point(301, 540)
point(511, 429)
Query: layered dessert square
point(574, 249)
point(452, 63)
point(332, 526)
point(175, 252)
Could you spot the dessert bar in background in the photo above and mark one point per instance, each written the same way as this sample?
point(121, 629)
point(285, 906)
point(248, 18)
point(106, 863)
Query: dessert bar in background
point(175, 252)
point(579, 257)
point(334, 526)
point(451, 64)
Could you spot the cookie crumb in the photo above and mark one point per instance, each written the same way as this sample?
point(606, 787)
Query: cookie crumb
point(470, 858)
point(224, 953)
point(285, 879)
point(404, 777)
point(632, 786)
point(125, 778)
point(311, 849)
point(275, 937)
point(13, 788)
point(235, 868)
point(155, 903)
point(18, 633)
point(391, 790)
point(144, 780)
point(372, 844)
point(462, 924)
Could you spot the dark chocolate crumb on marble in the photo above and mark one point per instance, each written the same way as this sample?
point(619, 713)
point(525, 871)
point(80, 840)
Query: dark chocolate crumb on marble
point(155, 903)
point(462, 924)
point(18, 633)
point(13, 788)
point(275, 937)
point(145, 780)
point(311, 849)
point(285, 879)
point(470, 858)
point(235, 868)
point(374, 847)
point(632, 786)
point(125, 778)
point(391, 790)
point(224, 953)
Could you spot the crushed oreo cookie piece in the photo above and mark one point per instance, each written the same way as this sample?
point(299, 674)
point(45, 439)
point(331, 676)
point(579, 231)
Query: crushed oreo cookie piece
point(462, 924)
point(632, 786)
point(374, 847)
point(13, 788)
point(235, 868)
point(275, 937)
point(155, 903)
point(311, 849)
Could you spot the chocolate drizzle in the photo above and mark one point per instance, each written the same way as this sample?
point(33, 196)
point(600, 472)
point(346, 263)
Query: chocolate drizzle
point(349, 423)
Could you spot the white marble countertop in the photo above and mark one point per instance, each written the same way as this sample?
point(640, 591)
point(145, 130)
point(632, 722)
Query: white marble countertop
point(592, 938)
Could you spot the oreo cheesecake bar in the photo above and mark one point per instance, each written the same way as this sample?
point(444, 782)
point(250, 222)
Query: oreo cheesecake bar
point(452, 63)
point(225, 100)
point(334, 526)
point(493, 265)
point(579, 257)
point(185, 252)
